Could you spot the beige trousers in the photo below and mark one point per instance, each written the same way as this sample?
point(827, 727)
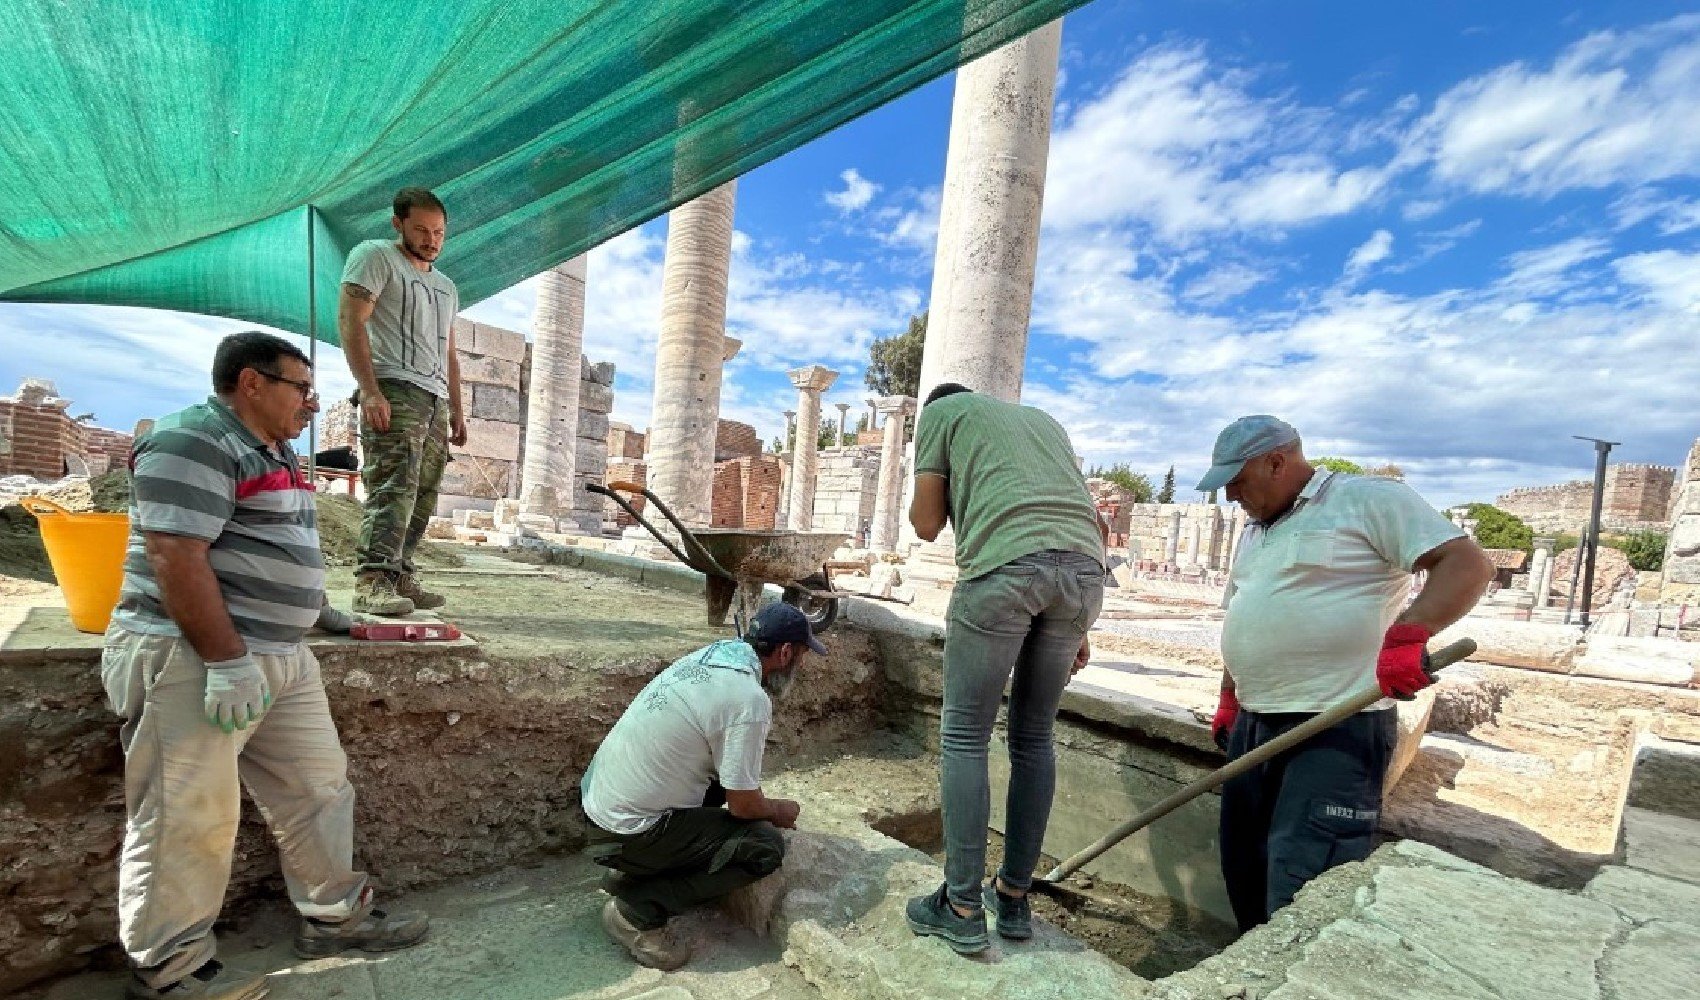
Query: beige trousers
point(182, 789)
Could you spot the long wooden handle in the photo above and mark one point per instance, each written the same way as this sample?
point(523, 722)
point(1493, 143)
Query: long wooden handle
point(1434, 662)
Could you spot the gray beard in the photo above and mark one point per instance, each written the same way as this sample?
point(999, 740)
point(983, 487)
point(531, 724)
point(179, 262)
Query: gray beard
point(776, 684)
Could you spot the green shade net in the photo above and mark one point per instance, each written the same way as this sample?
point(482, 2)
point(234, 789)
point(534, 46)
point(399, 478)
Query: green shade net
point(192, 154)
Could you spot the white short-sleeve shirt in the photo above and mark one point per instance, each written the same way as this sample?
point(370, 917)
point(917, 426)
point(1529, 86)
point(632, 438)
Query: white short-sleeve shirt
point(704, 717)
point(1310, 596)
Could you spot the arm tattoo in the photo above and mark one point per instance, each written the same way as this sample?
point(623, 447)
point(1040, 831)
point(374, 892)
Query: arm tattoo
point(359, 291)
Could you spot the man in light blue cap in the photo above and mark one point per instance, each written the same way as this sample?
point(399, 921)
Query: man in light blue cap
point(1313, 600)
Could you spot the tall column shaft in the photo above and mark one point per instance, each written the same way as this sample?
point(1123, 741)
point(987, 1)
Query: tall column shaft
point(888, 499)
point(691, 353)
point(810, 383)
point(1172, 546)
point(552, 404)
point(1195, 550)
point(994, 184)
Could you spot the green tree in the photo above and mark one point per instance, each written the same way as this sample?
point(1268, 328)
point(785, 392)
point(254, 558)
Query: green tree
point(828, 436)
point(1645, 549)
point(1339, 465)
point(1167, 493)
point(1135, 484)
point(894, 363)
point(1497, 529)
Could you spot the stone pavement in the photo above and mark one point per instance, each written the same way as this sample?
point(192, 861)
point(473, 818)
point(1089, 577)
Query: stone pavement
point(525, 934)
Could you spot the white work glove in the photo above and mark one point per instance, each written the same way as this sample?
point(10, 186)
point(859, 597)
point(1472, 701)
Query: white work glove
point(237, 693)
point(334, 621)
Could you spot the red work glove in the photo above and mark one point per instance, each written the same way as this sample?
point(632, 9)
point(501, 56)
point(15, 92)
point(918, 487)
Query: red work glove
point(1227, 710)
point(1399, 668)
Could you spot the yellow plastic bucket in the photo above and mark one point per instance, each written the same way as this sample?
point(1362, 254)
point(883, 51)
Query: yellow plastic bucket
point(87, 553)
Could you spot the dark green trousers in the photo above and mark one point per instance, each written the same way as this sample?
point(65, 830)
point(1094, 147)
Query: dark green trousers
point(689, 857)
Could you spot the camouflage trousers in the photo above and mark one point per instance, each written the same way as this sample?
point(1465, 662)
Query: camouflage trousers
point(401, 468)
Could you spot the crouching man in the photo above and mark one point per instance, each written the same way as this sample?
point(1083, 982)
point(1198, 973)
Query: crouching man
point(205, 663)
point(675, 792)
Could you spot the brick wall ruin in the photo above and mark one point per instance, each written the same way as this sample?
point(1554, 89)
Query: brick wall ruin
point(40, 438)
point(735, 440)
point(1637, 496)
point(746, 493)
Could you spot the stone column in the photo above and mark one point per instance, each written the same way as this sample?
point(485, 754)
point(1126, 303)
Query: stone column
point(873, 414)
point(1172, 548)
point(843, 418)
point(790, 426)
point(690, 355)
point(1540, 572)
point(994, 183)
point(1235, 530)
point(1195, 552)
point(810, 383)
point(551, 418)
point(1218, 528)
point(888, 501)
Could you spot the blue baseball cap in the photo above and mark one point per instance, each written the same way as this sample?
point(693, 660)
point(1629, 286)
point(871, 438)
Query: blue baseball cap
point(781, 622)
point(1240, 441)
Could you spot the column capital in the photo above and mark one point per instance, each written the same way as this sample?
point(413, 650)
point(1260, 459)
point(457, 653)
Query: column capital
point(842, 407)
point(789, 414)
point(816, 378)
point(574, 268)
point(1544, 543)
point(903, 405)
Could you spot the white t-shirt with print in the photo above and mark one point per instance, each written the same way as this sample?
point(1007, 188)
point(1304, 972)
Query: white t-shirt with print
point(1310, 596)
point(702, 718)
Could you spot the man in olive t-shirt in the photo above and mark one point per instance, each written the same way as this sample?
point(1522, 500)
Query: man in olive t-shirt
point(1030, 555)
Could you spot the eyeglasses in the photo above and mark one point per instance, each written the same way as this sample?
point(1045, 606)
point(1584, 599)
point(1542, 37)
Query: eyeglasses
point(304, 388)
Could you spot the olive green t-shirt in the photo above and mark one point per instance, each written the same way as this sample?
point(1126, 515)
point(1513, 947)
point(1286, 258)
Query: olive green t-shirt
point(1013, 485)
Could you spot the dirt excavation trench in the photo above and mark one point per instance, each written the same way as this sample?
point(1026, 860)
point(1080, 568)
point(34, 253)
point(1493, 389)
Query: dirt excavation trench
point(466, 758)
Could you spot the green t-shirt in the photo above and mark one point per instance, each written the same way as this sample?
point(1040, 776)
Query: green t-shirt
point(1014, 487)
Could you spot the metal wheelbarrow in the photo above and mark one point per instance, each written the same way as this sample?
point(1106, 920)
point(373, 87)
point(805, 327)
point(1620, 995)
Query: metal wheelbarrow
point(739, 563)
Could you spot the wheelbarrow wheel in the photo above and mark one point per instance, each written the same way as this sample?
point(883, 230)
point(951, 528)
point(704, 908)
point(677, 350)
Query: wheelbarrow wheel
point(820, 611)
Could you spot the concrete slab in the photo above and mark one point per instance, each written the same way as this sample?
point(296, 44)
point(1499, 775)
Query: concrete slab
point(1350, 961)
point(1643, 896)
point(1662, 844)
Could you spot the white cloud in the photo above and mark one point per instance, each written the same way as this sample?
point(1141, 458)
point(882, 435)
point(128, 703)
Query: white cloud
point(1669, 214)
point(1186, 149)
point(1546, 271)
point(1225, 283)
point(858, 192)
point(1669, 277)
point(1368, 254)
point(1616, 108)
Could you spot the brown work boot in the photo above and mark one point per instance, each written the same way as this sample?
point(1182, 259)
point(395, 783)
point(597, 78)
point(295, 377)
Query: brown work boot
point(407, 585)
point(375, 594)
point(368, 929)
point(651, 948)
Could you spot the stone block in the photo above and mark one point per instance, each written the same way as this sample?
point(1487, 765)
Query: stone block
point(599, 372)
point(595, 398)
point(495, 402)
point(505, 512)
point(491, 439)
point(480, 520)
point(495, 342)
point(450, 504)
point(589, 452)
point(491, 370)
point(440, 527)
point(484, 478)
point(1642, 896)
point(593, 425)
point(1654, 962)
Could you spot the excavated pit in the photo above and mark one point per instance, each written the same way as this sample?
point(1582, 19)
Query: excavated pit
point(466, 759)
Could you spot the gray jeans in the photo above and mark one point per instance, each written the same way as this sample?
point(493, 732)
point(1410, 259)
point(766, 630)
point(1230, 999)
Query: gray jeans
point(1027, 617)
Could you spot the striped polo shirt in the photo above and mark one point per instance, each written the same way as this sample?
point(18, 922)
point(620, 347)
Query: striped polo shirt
point(1014, 486)
point(202, 473)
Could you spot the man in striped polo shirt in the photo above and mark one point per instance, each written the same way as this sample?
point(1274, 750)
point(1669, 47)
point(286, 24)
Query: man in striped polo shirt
point(205, 663)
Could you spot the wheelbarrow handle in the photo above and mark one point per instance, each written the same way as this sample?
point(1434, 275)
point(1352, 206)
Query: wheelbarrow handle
point(601, 490)
point(1432, 664)
point(700, 559)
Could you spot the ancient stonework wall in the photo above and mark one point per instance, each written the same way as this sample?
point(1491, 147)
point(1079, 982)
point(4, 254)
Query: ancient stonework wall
point(735, 440)
point(39, 438)
point(486, 468)
point(630, 471)
point(623, 442)
point(595, 402)
point(1681, 571)
point(845, 489)
point(746, 493)
point(1148, 528)
point(1636, 496)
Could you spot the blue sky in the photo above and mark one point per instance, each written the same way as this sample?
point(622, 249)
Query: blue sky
point(1445, 235)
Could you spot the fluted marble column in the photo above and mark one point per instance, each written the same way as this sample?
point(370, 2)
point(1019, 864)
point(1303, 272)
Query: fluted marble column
point(888, 500)
point(810, 383)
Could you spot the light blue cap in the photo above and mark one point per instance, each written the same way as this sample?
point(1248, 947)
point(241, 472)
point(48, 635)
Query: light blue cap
point(1245, 438)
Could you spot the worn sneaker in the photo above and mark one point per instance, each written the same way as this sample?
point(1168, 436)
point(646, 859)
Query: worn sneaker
point(375, 594)
point(407, 585)
point(1015, 915)
point(651, 948)
point(368, 929)
point(933, 915)
point(211, 981)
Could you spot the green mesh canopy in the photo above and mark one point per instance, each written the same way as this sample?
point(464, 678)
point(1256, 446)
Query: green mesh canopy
point(191, 154)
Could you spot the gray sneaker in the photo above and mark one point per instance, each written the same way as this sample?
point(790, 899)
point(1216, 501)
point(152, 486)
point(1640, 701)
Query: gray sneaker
point(211, 981)
point(1015, 914)
point(369, 929)
point(933, 915)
